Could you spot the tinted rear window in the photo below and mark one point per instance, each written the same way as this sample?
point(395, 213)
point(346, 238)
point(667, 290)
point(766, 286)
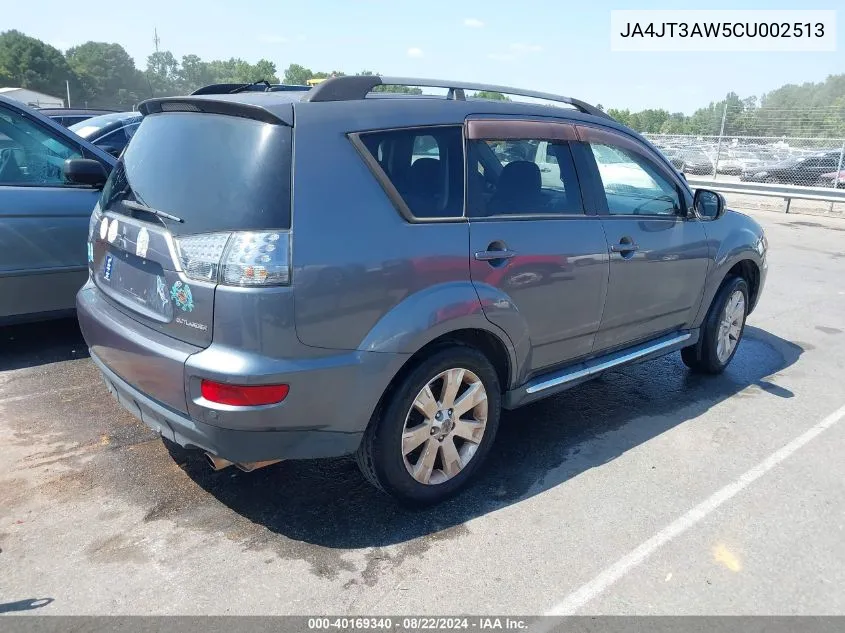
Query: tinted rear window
point(215, 172)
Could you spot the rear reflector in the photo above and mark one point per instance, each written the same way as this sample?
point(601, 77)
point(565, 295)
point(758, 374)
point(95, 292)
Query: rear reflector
point(243, 395)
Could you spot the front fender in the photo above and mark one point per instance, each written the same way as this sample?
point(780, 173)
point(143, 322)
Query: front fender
point(441, 309)
point(735, 238)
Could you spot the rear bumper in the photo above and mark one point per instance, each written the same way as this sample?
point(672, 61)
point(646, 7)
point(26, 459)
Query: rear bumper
point(232, 444)
point(157, 378)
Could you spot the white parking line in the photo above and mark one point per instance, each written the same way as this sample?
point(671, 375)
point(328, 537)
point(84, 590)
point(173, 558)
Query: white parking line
point(598, 585)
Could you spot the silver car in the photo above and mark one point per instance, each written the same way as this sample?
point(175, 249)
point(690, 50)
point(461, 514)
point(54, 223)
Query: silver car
point(43, 217)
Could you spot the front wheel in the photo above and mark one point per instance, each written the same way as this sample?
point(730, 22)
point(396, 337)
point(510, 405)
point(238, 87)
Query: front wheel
point(435, 429)
point(722, 329)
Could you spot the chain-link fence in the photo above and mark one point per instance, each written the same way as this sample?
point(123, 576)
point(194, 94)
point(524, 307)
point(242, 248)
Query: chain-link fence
point(812, 162)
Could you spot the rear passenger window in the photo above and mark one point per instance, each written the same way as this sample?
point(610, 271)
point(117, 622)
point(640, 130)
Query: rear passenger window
point(522, 177)
point(424, 166)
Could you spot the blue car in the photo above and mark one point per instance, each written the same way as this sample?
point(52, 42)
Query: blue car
point(110, 132)
point(43, 216)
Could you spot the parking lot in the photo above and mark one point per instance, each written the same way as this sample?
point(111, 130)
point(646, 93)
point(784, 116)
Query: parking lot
point(648, 491)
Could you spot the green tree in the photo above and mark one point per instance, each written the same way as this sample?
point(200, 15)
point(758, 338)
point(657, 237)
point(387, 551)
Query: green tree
point(163, 73)
point(490, 94)
point(623, 116)
point(298, 75)
point(26, 62)
point(236, 70)
point(194, 73)
point(108, 75)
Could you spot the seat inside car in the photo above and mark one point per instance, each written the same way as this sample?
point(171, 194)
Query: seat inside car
point(519, 189)
point(425, 187)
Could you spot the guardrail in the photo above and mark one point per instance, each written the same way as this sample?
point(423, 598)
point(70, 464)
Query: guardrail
point(787, 192)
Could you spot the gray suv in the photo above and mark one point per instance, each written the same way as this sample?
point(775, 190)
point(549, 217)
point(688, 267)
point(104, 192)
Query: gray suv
point(287, 275)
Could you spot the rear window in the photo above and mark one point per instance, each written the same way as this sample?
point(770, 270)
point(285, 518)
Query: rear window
point(425, 165)
point(213, 171)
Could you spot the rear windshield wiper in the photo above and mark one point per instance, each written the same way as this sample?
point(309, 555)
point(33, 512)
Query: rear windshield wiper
point(142, 207)
point(248, 86)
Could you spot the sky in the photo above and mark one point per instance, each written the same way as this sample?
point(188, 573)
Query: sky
point(560, 46)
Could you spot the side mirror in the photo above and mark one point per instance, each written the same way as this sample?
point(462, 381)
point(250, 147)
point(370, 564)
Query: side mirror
point(709, 204)
point(85, 171)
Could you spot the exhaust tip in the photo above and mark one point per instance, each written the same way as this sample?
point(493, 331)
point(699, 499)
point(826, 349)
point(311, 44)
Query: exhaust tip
point(217, 463)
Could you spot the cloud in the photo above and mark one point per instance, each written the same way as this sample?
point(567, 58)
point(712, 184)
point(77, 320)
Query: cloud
point(415, 52)
point(473, 23)
point(272, 39)
point(501, 57)
point(526, 48)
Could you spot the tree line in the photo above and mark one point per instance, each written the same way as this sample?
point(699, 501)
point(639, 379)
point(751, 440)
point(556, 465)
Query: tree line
point(103, 74)
point(809, 109)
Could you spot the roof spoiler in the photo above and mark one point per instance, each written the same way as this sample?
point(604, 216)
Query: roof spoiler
point(352, 88)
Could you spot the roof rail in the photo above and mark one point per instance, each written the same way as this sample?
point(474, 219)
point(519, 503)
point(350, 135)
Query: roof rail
point(352, 88)
point(259, 86)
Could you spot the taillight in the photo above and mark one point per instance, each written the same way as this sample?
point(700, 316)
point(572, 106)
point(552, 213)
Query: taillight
point(257, 259)
point(94, 222)
point(243, 395)
point(237, 259)
point(200, 254)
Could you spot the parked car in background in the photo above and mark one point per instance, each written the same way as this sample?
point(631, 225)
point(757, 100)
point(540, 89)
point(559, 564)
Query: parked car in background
point(43, 216)
point(109, 132)
point(734, 162)
point(69, 116)
point(832, 179)
point(435, 282)
point(794, 171)
point(692, 161)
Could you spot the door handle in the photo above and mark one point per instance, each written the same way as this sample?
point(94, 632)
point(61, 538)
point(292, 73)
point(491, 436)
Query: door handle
point(624, 248)
point(488, 256)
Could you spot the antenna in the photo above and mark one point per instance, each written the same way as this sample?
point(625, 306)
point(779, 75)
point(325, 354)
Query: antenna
point(156, 39)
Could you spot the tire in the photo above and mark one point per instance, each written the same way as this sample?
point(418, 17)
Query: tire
point(381, 456)
point(706, 357)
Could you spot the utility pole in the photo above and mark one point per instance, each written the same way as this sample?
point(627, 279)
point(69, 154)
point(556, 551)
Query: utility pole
point(721, 134)
point(156, 40)
point(67, 86)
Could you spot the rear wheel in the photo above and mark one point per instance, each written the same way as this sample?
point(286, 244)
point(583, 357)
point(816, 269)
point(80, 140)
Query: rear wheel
point(435, 430)
point(722, 329)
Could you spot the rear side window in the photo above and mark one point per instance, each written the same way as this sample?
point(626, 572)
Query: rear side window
point(423, 167)
point(522, 177)
point(213, 171)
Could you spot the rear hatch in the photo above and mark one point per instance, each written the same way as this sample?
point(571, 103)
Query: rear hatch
point(198, 198)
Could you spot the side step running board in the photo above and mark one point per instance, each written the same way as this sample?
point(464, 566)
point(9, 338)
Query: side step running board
point(548, 384)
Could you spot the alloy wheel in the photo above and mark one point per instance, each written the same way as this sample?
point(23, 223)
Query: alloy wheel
point(442, 432)
point(730, 326)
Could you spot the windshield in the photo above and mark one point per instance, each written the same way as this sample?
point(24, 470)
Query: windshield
point(215, 172)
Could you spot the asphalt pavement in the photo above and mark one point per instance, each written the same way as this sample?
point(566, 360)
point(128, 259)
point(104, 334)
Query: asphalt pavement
point(648, 491)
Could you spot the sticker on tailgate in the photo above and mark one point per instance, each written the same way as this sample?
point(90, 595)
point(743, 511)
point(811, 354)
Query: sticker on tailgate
point(108, 265)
